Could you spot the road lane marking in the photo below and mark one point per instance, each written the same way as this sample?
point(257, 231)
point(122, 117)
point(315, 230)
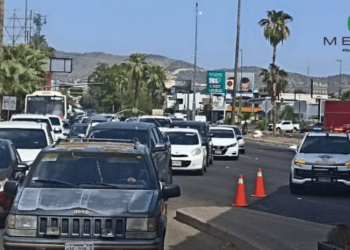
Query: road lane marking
point(244, 156)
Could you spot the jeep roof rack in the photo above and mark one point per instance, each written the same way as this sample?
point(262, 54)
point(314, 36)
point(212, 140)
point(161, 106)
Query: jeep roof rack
point(135, 141)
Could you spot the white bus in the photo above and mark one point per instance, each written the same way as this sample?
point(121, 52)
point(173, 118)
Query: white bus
point(46, 102)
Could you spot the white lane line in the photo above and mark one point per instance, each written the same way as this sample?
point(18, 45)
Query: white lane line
point(244, 156)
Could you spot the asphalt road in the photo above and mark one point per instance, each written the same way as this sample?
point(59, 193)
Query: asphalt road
point(217, 188)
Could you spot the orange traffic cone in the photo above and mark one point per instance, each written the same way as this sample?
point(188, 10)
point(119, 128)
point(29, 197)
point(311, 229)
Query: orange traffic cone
point(259, 185)
point(240, 199)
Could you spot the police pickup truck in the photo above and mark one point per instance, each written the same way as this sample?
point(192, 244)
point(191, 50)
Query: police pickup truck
point(322, 159)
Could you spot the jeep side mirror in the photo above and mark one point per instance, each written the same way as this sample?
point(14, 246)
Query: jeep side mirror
point(171, 191)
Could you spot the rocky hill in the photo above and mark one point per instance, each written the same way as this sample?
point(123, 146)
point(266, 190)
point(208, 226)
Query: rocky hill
point(85, 63)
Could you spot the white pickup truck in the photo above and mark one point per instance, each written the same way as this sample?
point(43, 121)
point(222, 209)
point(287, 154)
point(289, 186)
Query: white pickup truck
point(285, 126)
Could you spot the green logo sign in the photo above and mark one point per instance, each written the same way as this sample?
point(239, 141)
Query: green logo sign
point(349, 23)
point(216, 82)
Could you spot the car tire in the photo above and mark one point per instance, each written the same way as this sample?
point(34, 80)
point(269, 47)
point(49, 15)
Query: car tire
point(170, 175)
point(242, 151)
point(200, 172)
point(295, 188)
point(162, 246)
point(278, 130)
point(294, 130)
point(236, 158)
point(211, 160)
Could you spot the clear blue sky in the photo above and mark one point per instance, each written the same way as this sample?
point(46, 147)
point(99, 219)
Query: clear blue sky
point(166, 27)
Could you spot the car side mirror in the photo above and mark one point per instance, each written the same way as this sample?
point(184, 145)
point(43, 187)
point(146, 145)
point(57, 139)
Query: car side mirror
point(160, 147)
point(171, 191)
point(11, 187)
point(81, 135)
point(21, 167)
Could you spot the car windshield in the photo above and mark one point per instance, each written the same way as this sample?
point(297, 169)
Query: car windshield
point(220, 133)
point(76, 130)
point(326, 145)
point(4, 157)
point(25, 138)
point(55, 121)
point(86, 170)
point(46, 121)
point(200, 129)
point(183, 138)
point(85, 120)
point(125, 134)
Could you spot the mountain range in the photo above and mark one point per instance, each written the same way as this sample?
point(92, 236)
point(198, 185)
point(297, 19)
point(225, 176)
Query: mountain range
point(85, 63)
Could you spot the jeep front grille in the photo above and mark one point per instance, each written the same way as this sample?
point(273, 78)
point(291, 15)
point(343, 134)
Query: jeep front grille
point(81, 227)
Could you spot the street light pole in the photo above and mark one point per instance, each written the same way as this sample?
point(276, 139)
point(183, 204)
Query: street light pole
point(195, 67)
point(240, 86)
point(340, 61)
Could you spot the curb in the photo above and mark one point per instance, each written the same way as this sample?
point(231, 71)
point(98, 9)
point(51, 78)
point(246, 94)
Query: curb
point(269, 141)
point(212, 230)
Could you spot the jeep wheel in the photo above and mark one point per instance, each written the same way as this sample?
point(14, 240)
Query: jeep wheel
point(295, 188)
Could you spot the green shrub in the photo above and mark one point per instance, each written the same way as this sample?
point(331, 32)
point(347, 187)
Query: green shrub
point(262, 125)
point(340, 237)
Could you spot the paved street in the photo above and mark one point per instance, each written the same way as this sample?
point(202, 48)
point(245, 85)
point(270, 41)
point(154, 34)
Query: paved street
point(217, 188)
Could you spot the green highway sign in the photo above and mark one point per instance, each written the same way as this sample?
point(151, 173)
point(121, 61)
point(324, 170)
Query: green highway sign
point(216, 82)
point(75, 91)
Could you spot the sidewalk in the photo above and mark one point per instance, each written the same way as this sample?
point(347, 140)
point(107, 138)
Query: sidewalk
point(252, 230)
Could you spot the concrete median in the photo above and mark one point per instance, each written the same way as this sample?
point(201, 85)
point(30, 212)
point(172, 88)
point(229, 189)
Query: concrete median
point(251, 230)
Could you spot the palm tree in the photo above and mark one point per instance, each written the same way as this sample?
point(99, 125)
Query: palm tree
point(39, 42)
point(156, 77)
point(2, 11)
point(276, 31)
point(138, 68)
point(280, 77)
point(345, 96)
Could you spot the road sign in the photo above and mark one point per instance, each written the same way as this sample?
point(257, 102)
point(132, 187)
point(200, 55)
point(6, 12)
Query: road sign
point(134, 110)
point(75, 91)
point(266, 106)
point(9, 103)
point(300, 107)
point(216, 82)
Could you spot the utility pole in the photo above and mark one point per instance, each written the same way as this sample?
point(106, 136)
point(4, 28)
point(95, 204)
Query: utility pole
point(240, 84)
point(2, 11)
point(340, 61)
point(25, 22)
point(195, 67)
point(233, 114)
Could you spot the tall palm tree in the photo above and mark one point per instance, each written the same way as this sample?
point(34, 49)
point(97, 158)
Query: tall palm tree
point(138, 68)
point(2, 12)
point(156, 77)
point(280, 77)
point(276, 31)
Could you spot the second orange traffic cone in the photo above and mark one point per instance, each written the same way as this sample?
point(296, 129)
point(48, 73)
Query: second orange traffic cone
point(240, 199)
point(259, 185)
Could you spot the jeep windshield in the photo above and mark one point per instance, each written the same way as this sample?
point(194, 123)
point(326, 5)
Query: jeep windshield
point(91, 170)
point(326, 145)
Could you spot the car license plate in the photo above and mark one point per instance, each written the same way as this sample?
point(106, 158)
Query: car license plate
point(218, 152)
point(176, 163)
point(79, 246)
point(324, 179)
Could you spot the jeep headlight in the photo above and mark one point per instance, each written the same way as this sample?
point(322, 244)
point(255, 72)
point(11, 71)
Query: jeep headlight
point(21, 225)
point(141, 228)
point(299, 163)
point(196, 151)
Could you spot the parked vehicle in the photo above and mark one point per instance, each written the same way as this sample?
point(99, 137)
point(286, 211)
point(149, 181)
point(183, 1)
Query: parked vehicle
point(187, 152)
point(336, 114)
point(162, 122)
point(29, 138)
point(203, 129)
point(323, 159)
point(225, 142)
point(285, 126)
point(239, 136)
point(12, 168)
point(57, 125)
point(312, 127)
point(89, 195)
point(147, 134)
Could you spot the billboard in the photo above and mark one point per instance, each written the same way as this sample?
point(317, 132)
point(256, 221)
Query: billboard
point(245, 86)
point(216, 82)
point(179, 86)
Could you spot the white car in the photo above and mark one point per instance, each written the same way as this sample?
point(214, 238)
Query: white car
point(323, 159)
point(28, 137)
point(187, 151)
point(35, 118)
point(225, 142)
point(162, 122)
point(239, 135)
point(57, 125)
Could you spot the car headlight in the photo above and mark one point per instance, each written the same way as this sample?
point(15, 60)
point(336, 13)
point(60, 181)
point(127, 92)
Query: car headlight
point(347, 164)
point(232, 145)
point(141, 224)
point(299, 163)
point(196, 151)
point(21, 225)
